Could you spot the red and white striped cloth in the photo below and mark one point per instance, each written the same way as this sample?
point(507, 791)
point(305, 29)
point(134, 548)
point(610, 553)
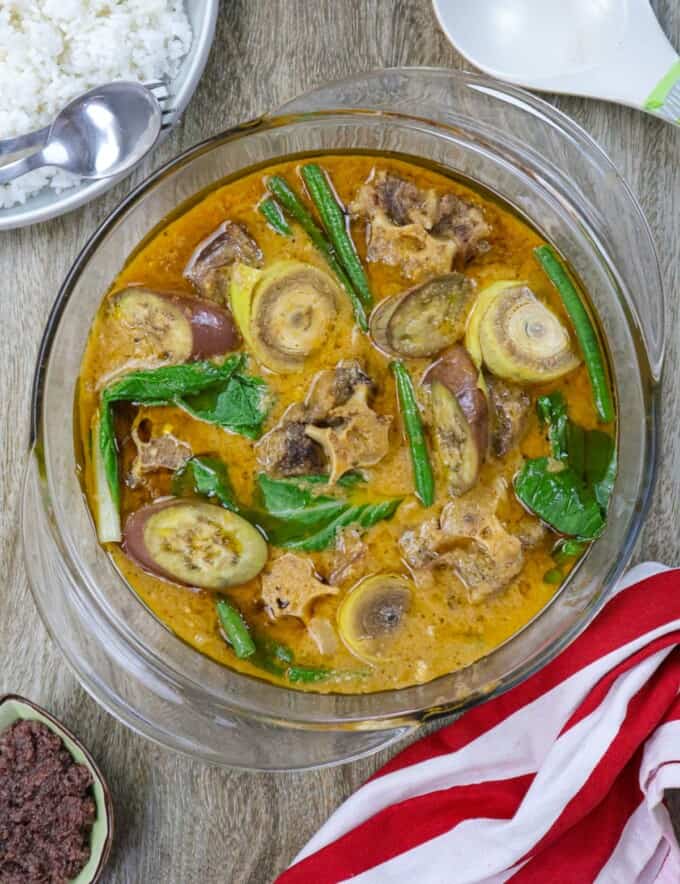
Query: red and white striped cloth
point(559, 780)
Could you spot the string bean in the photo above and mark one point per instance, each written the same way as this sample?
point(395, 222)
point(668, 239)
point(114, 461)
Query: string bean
point(420, 458)
point(235, 628)
point(271, 210)
point(583, 326)
point(290, 201)
point(334, 220)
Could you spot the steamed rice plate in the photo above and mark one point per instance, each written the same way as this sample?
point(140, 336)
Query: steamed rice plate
point(53, 50)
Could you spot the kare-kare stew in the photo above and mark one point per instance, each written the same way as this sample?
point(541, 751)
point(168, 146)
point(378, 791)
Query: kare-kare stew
point(346, 423)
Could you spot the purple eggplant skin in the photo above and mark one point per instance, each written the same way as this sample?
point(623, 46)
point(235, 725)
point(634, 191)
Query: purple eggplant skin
point(213, 328)
point(456, 371)
point(134, 543)
point(210, 327)
point(191, 542)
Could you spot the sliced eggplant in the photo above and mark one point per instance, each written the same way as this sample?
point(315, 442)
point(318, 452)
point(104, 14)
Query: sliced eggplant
point(163, 327)
point(424, 320)
point(380, 320)
point(373, 614)
point(460, 417)
point(210, 266)
point(455, 440)
point(213, 328)
point(195, 544)
point(457, 372)
point(517, 337)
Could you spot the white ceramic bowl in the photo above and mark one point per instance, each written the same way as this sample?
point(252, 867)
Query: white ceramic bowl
point(49, 204)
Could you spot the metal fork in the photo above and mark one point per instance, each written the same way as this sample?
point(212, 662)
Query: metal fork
point(163, 97)
point(38, 137)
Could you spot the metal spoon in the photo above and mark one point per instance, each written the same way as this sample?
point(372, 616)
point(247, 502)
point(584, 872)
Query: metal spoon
point(100, 134)
point(597, 48)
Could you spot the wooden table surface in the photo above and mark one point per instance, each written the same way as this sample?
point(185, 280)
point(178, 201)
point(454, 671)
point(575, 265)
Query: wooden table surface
point(180, 822)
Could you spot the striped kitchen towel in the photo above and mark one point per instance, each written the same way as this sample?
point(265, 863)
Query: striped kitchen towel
point(559, 780)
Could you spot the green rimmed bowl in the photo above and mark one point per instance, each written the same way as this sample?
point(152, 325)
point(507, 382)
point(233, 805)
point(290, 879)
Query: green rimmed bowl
point(14, 708)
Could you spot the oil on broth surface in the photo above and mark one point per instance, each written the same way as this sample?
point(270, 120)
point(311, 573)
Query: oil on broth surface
point(445, 632)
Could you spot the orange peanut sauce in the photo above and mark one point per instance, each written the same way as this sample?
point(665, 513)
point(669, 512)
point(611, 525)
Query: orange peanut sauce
point(444, 631)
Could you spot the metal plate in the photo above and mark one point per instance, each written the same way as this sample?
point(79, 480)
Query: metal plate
point(49, 204)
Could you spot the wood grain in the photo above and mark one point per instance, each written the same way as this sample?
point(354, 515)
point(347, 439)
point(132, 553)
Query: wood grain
point(180, 822)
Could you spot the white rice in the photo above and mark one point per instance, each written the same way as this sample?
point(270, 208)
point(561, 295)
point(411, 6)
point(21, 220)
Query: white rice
point(53, 50)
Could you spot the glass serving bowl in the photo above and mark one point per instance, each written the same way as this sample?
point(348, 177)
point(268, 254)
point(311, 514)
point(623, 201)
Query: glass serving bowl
point(552, 173)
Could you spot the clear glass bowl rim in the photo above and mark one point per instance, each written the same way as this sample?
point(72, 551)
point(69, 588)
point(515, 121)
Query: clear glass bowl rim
point(281, 117)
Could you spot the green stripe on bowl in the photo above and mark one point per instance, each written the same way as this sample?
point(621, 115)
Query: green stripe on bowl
point(659, 93)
